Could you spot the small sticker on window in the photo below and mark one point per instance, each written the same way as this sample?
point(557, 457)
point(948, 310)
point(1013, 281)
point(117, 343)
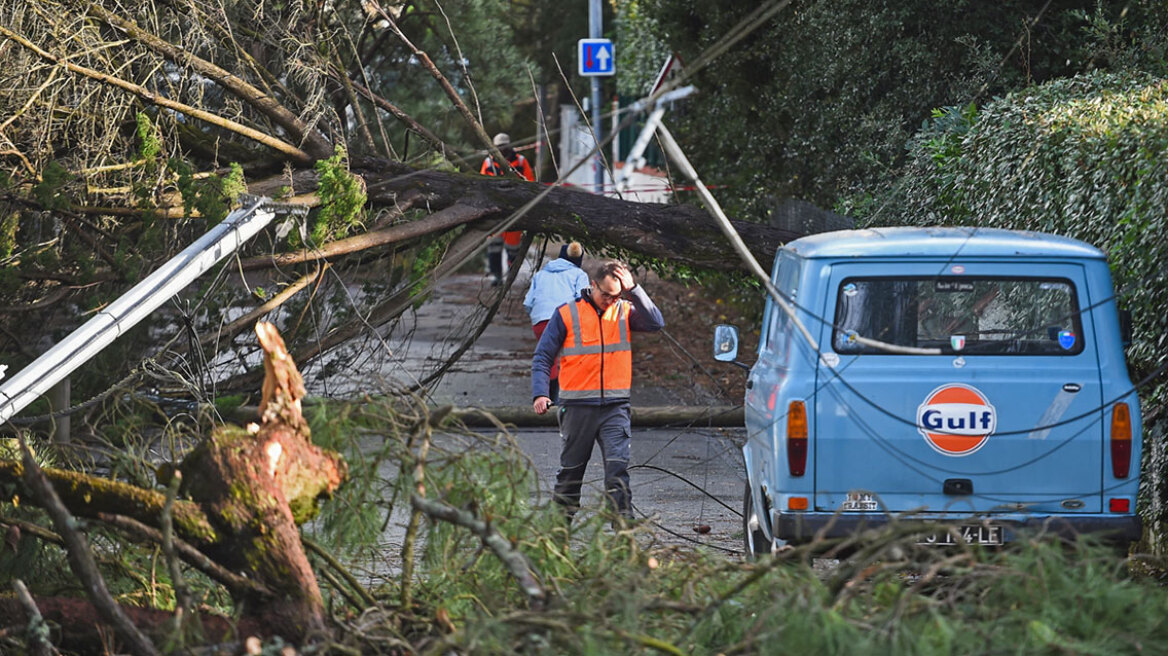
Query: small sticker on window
point(957, 342)
point(850, 289)
point(953, 286)
point(1066, 339)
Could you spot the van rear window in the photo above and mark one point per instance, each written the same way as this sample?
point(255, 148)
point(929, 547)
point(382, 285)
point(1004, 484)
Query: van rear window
point(975, 316)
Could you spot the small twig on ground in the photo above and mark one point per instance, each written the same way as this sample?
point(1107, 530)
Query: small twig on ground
point(35, 530)
point(344, 591)
point(367, 599)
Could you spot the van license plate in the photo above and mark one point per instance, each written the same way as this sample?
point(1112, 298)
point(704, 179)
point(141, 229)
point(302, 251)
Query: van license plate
point(976, 534)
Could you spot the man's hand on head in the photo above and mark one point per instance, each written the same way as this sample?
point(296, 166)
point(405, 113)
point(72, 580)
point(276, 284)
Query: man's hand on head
point(540, 404)
point(622, 274)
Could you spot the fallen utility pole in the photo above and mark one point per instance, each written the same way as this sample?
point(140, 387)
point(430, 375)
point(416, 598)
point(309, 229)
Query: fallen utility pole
point(133, 306)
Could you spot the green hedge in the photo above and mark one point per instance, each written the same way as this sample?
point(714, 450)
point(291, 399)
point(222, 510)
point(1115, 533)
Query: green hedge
point(1083, 157)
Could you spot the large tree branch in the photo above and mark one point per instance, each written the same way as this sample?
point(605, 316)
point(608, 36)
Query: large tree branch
point(680, 234)
point(148, 96)
point(88, 496)
point(315, 144)
point(441, 221)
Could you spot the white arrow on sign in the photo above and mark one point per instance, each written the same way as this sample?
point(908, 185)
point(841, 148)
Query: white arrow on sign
point(603, 57)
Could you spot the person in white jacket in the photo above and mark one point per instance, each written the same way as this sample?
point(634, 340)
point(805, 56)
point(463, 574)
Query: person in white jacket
point(557, 283)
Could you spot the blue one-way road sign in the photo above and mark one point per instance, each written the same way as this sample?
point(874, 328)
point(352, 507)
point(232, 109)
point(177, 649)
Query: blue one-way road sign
point(596, 57)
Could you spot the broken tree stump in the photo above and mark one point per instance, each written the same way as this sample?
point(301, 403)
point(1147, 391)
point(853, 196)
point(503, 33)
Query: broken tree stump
point(256, 486)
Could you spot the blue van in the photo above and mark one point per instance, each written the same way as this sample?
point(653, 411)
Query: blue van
point(965, 375)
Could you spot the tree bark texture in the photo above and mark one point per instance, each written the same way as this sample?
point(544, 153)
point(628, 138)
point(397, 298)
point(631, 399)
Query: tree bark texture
point(258, 484)
point(680, 234)
point(82, 632)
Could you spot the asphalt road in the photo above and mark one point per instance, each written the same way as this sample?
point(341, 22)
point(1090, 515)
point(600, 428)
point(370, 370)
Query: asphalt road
point(682, 479)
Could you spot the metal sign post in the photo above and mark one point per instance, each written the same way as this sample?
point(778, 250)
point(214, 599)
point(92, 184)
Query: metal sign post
point(595, 60)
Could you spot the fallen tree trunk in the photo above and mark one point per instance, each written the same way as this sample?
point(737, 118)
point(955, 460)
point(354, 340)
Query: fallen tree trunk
point(681, 234)
point(715, 416)
point(79, 629)
point(659, 416)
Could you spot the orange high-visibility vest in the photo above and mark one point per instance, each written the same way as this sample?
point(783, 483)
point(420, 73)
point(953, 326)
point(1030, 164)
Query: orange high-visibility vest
point(511, 238)
point(596, 361)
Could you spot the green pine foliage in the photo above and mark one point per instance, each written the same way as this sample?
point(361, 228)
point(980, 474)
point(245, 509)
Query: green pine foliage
point(342, 199)
point(615, 591)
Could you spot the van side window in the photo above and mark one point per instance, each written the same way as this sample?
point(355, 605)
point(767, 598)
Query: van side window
point(974, 316)
point(787, 282)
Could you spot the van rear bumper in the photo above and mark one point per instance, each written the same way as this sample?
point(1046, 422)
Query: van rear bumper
point(802, 527)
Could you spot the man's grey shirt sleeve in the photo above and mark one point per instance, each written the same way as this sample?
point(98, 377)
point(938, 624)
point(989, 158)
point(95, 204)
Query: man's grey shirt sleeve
point(546, 353)
point(645, 317)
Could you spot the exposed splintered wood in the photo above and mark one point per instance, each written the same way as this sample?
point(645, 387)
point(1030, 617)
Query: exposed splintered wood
point(255, 484)
point(246, 491)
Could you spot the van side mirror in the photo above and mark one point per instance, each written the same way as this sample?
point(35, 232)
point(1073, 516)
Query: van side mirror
point(726, 345)
point(1125, 327)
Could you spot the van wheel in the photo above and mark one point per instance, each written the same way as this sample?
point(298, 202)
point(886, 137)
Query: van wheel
point(755, 542)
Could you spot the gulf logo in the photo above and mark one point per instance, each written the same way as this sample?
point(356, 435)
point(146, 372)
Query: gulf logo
point(956, 419)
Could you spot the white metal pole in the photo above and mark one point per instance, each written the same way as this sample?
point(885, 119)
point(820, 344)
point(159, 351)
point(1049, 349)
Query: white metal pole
point(675, 153)
point(614, 127)
point(133, 306)
point(596, 31)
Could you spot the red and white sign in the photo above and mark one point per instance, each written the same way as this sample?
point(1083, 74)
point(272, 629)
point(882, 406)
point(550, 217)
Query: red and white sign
point(956, 419)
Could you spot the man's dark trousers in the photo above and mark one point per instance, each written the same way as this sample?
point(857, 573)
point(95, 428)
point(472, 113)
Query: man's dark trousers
point(580, 427)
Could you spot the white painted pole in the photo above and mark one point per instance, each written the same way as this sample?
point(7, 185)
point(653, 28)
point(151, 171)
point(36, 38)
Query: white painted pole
point(596, 31)
point(675, 153)
point(133, 306)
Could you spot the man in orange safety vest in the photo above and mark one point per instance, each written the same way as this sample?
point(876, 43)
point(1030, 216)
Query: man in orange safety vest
point(511, 238)
point(591, 336)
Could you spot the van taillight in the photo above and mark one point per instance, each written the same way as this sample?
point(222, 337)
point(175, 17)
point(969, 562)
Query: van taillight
point(1121, 438)
point(796, 438)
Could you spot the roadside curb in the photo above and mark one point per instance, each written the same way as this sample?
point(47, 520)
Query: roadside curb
point(714, 416)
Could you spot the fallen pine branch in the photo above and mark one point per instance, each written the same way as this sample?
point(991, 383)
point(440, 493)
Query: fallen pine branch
point(81, 559)
point(515, 562)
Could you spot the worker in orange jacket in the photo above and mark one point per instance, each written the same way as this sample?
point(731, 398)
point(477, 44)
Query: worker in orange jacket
point(591, 336)
point(510, 239)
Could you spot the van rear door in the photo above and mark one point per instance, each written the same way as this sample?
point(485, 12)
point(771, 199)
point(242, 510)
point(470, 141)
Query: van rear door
point(1005, 416)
